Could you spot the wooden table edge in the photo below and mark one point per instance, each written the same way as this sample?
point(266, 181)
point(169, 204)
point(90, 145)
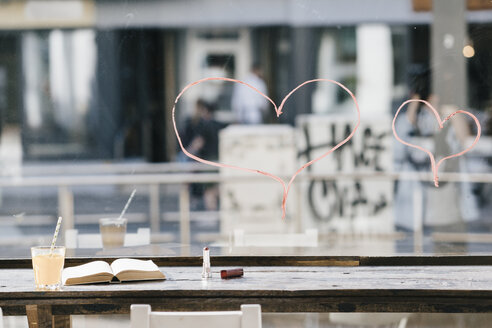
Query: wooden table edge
point(298, 260)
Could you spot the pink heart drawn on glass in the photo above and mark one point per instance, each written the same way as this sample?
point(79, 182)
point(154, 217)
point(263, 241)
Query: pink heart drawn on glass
point(434, 166)
point(278, 110)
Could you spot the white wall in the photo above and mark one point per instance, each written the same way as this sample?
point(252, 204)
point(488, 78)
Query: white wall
point(253, 202)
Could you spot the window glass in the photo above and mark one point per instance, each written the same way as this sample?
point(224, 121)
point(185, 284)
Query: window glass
point(87, 92)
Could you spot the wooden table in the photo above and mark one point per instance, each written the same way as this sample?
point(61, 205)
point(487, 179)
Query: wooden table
point(449, 289)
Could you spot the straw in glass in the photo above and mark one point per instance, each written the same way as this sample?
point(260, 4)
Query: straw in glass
point(53, 242)
point(127, 203)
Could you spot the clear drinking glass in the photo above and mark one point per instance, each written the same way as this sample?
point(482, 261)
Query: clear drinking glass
point(48, 266)
point(112, 231)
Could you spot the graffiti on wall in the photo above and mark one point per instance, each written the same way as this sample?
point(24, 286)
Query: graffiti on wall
point(368, 152)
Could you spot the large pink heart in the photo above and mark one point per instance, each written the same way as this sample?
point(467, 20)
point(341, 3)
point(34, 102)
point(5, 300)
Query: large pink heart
point(278, 110)
point(434, 166)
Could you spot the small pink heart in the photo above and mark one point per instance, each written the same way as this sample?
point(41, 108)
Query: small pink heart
point(278, 111)
point(434, 166)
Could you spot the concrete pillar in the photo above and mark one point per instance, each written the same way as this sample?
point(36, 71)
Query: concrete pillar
point(447, 61)
point(374, 69)
point(303, 67)
point(324, 97)
point(448, 36)
point(104, 121)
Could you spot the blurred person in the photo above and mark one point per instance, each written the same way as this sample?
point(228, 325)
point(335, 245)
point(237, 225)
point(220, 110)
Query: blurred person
point(452, 206)
point(200, 133)
point(406, 160)
point(248, 106)
point(200, 136)
point(480, 162)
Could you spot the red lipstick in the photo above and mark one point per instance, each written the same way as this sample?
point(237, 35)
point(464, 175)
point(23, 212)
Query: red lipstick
point(232, 273)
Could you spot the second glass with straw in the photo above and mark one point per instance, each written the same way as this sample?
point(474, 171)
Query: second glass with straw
point(113, 230)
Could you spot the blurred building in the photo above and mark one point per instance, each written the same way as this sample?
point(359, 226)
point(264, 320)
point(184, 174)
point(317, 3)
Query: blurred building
point(97, 79)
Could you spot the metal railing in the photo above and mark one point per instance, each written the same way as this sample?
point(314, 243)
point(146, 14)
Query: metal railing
point(64, 178)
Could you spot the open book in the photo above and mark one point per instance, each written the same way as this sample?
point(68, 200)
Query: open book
point(119, 270)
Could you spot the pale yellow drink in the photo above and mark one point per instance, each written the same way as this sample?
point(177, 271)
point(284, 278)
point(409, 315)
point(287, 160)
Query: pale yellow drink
point(112, 232)
point(48, 266)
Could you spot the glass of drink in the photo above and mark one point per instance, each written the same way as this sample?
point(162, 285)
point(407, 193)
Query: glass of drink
point(48, 266)
point(112, 232)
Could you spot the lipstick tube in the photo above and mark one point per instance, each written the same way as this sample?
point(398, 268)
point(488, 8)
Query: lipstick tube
point(232, 273)
point(206, 271)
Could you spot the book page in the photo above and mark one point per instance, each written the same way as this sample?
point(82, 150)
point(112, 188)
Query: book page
point(132, 269)
point(99, 270)
point(121, 265)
